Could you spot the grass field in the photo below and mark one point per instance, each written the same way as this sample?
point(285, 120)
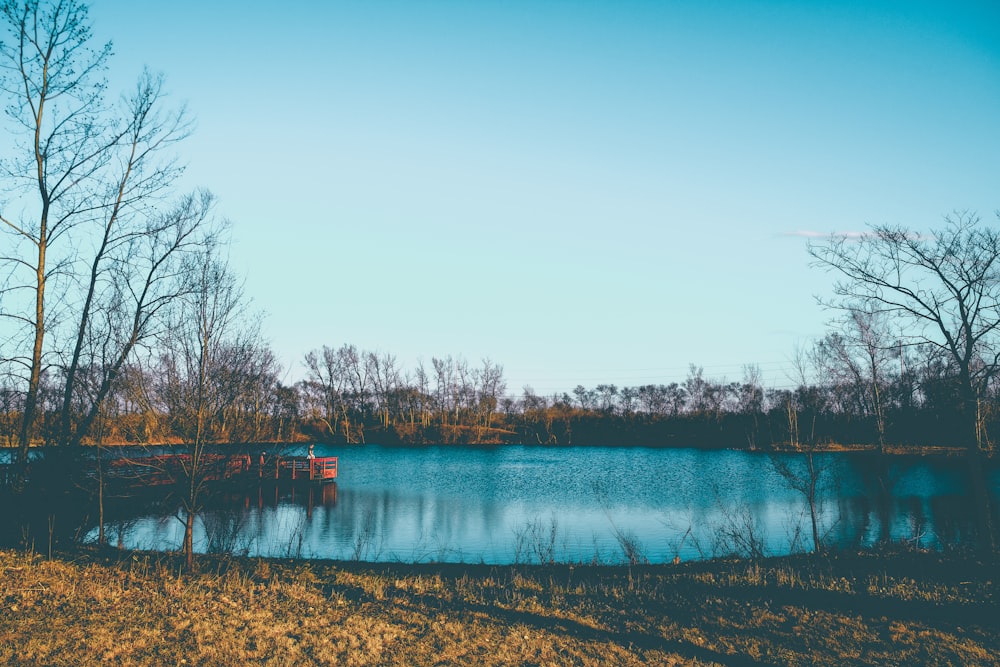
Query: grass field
point(141, 609)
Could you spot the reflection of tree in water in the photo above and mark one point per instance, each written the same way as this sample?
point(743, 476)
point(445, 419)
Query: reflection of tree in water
point(225, 531)
point(368, 540)
point(288, 516)
point(412, 526)
point(951, 516)
point(403, 521)
point(913, 523)
point(877, 478)
point(239, 522)
point(117, 529)
point(852, 530)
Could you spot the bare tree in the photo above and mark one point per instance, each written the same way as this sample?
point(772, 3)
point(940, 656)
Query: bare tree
point(54, 82)
point(751, 401)
point(491, 388)
point(136, 248)
point(247, 376)
point(91, 256)
point(140, 284)
point(585, 397)
point(385, 379)
point(463, 390)
point(208, 334)
point(358, 385)
point(325, 377)
point(629, 397)
point(607, 397)
point(423, 390)
point(444, 394)
point(859, 357)
point(808, 480)
point(943, 290)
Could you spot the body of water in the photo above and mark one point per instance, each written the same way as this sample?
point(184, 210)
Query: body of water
point(606, 505)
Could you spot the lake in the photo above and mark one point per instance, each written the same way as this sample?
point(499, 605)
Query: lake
point(589, 505)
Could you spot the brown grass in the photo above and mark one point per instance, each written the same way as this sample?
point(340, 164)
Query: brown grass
point(138, 609)
point(891, 450)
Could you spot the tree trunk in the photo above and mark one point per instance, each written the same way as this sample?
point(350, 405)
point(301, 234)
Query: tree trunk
point(978, 468)
point(969, 419)
point(813, 479)
point(101, 537)
point(34, 381)
point(188, 547)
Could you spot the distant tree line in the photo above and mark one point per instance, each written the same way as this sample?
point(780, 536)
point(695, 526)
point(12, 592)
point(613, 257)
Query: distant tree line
point(869, 395)
point(870, 389)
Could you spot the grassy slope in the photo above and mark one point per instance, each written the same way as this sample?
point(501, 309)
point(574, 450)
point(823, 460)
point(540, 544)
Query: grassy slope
point(141, 610)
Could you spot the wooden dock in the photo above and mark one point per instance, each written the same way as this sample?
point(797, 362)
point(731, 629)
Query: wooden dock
point(165, 469)
point(168, 468)
point(321, 469)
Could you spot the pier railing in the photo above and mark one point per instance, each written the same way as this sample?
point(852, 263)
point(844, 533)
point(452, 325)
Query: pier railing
point(319, 469)
point(166, 469)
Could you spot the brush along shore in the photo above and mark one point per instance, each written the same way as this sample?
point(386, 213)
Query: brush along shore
point(90, 607)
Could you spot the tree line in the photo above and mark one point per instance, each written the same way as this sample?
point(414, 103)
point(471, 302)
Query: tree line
point(870, 394)
point(120, 320)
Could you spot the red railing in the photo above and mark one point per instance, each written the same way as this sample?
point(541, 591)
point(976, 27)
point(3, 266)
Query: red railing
point(319, 469)
point(165, 469)
point(160, 469)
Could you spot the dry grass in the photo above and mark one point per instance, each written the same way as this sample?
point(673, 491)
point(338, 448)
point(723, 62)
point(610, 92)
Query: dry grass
point(891, 450)
point(142, 610)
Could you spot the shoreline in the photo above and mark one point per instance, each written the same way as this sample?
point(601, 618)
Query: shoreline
point(783, 448)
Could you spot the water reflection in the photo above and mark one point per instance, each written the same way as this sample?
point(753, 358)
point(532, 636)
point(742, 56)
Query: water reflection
point(516, 504)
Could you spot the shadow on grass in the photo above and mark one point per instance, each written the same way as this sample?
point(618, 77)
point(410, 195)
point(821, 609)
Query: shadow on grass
point(626, 639)
point(679, 596)
point(652, 608)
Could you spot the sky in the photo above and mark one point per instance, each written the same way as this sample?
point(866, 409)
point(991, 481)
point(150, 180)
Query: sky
point(583, 192)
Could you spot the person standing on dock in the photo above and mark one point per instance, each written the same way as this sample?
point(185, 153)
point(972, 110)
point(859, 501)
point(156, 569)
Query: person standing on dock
point(311, 454)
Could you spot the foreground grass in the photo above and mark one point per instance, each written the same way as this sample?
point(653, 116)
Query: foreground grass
point(139, 609)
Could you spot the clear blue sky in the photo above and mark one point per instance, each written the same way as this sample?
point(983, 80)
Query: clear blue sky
point(583, 192)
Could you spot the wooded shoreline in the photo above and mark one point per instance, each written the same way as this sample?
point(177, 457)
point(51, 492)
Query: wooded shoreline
point(302, 442)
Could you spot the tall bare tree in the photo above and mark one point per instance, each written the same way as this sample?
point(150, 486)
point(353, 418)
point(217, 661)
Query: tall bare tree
point(858, 355)
point(323, 383)
point(385, 380)
point(55, 87)
point(943, 290)
point(138, 287)
point(136, 248)
point(208, 336)
point(80, 188)
point(491, 389)
point(751, 401)
point(340, 380)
